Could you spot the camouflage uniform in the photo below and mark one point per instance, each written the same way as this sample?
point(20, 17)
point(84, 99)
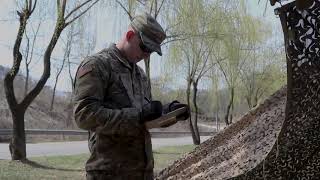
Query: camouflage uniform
point(108, 96)
point(109, 93)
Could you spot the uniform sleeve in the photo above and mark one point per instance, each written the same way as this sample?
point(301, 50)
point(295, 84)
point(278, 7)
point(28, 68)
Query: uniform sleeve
point(89, 111)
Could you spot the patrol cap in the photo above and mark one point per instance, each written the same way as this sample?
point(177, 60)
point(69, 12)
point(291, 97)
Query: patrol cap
point(150, 31)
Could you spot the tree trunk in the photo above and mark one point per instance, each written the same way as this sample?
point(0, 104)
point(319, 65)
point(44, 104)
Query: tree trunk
point(26, 85)
point(27, 66)
point(188, 92)
point(217, 122)
point(54, 92)
point(248, 99)
point(17, 144)
point(217, 110)
point(231, 115)
point(197, 140)
point(67, 53)
point(232, 106)
point(69, 116)
point(71, 76)
point(226, 117)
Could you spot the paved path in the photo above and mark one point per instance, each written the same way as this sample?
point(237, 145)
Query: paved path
point(78, 147)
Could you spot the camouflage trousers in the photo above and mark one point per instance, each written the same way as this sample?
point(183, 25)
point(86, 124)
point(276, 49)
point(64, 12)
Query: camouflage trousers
point(104, 175)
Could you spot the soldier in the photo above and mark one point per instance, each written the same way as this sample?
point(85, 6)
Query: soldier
point(112, 100)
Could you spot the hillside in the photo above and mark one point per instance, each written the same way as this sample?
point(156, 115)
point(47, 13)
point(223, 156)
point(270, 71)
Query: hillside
point(37, 115)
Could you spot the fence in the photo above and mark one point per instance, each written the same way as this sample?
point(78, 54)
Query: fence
point(8, 132)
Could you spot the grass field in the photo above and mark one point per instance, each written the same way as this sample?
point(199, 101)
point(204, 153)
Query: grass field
point(72, 167)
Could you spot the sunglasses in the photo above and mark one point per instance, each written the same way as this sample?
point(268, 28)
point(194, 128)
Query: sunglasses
point(143, 47)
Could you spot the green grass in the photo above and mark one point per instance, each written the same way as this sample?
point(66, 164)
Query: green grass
point(167, 155)
point(72, 167)
point(53, 167)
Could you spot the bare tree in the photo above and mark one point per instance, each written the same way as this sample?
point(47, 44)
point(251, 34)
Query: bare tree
point(17, 145)
point(66, 56)
point(28, 54)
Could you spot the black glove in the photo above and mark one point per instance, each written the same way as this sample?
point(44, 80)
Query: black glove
point(151, 111)
point(176, 105)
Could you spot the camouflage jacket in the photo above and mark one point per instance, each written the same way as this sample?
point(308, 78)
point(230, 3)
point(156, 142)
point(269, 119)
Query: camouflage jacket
point(108, 96)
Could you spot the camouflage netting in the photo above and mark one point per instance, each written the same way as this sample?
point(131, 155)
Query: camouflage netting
point(239, 147)
point(281, 138)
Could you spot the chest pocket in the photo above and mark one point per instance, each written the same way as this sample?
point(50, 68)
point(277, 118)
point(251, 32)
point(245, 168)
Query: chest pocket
point(117, 95)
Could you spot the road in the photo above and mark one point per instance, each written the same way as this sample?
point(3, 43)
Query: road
point(79, 147)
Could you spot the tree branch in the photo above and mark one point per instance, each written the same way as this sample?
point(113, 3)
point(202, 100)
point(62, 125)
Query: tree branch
point(17, 57)
point(63, 8)
point(151, 6)
point(77, 8)
point(72, 20)
point(33, 42)
point(158, 11)
point(124, 8)
point(34, 6)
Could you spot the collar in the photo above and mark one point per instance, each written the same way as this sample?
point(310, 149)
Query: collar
point(120, 57)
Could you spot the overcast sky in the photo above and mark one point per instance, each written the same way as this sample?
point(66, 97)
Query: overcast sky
point(108, 30)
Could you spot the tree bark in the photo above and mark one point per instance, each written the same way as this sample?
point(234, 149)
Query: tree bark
point(54, 91)
point(27, 65)
point(217, 121)
point(188, 92)
point(197, 140)
point(17, 144)
point(26, 85)
point(226, 117)
point(57, 79)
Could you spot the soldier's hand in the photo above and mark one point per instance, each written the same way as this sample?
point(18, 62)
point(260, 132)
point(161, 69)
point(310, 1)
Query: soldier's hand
point(151, 111)
point(174, 105)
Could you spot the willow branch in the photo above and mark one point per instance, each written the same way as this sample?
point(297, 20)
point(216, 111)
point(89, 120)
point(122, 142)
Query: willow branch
point(78, 7)
point(71, 21)
point(124, 8)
